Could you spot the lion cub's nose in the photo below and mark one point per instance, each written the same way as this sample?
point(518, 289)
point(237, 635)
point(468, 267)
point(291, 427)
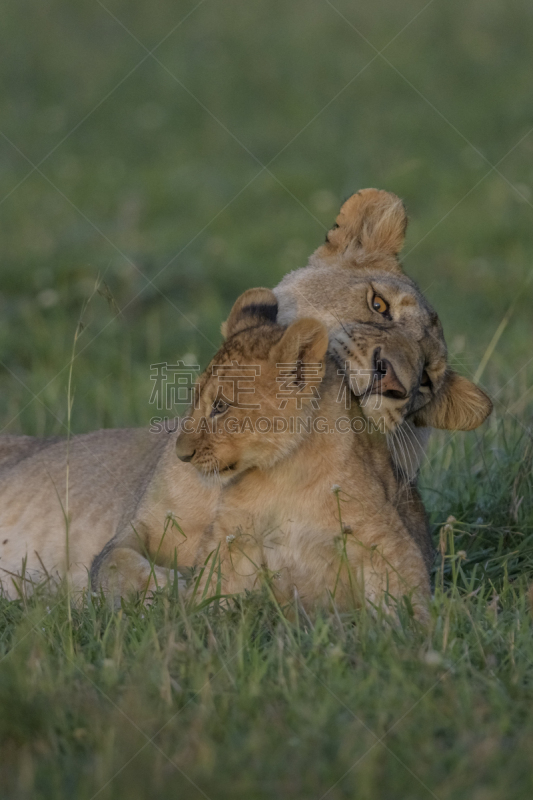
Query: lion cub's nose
point(186, 457)
point(184, 449)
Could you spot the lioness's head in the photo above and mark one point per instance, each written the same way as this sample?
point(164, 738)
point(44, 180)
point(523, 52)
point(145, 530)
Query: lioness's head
point(382, 329)
point(262, 381)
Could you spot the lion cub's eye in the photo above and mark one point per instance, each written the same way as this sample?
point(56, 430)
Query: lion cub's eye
point(380, 305)
point(425, 380)
point(218, 407)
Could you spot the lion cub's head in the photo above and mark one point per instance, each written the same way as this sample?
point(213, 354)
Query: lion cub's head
point(382, 330)
point(249, 401)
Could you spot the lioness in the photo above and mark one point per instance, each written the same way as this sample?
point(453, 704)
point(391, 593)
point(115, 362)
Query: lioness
point(129, 497)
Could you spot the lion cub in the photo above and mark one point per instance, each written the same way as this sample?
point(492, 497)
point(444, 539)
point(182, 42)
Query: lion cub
point(309, 487)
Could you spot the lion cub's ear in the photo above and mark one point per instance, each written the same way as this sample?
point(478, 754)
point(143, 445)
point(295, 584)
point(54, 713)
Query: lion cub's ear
point(370, 223)
point(251, 308)
point(459, 406)
point(305, 341)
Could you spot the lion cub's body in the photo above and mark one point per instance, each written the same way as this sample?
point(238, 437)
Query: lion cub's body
point(322, 522)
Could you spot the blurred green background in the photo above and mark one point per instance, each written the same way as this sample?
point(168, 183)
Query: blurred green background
point(174, 181)
point(181, 178)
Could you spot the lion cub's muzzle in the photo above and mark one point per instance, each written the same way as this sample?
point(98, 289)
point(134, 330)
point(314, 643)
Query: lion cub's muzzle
point(191, 450)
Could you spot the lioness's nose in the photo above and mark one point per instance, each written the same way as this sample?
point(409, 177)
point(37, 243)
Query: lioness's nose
point(184, 449)
point(388, 382)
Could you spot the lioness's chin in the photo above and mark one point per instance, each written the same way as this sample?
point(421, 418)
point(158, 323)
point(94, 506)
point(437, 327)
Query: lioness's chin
point(379, 417)
point(382, 425)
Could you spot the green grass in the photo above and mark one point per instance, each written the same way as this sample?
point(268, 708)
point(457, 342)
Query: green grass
point(170, 209)
point(173, 702)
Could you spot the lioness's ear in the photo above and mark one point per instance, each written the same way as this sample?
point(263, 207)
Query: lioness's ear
point(306, 340)
point(370, 223)
point(251, 308)
point(459, 406)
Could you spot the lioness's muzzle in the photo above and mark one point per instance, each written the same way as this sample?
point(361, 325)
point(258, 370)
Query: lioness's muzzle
point(384, 378)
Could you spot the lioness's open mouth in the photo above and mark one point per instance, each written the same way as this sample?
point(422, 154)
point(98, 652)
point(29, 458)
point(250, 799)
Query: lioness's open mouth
point(381, 378)
point(384, 378)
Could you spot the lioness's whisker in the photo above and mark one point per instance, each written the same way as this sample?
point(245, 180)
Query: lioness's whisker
point(407, 453)
point(395, 446)
point(413, 438)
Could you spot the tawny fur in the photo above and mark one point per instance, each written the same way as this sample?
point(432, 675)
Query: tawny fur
point(122, 484)
point(321, 523)
point(278, 514)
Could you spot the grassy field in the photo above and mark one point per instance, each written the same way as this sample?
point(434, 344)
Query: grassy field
point(172, 155)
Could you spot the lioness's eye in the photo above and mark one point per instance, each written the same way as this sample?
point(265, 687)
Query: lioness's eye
point(425, 381)
point(380, 305)
point(218, 407)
